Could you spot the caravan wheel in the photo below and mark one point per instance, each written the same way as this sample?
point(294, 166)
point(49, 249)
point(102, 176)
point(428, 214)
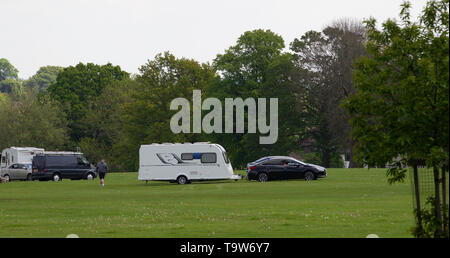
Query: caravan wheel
point(181, 180)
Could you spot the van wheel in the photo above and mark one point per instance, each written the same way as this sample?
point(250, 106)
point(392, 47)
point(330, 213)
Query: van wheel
point(6, 178)
point(29, 177)
point(90, 176)
point(181, 180)
point(309, 176)
point(263, 177)
point(57, 177)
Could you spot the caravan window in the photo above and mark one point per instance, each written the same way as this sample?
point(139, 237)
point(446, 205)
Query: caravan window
point(187, 156)
point(209, 158)
point(225, 157)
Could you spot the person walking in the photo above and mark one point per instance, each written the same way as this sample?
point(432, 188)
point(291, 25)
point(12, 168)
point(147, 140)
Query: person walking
point(102, 169)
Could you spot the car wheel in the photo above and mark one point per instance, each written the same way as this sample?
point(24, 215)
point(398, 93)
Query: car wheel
point(181, 180)
point(309, 176)
point(29, 178)
point(90, 176)
point(57, 177)
point(263, 177)
point(7, 178)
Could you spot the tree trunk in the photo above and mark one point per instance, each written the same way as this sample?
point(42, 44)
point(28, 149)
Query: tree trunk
point(437, 203)
point(417, 195)
point(352, 163)
point(326, 158)
point(444, 199)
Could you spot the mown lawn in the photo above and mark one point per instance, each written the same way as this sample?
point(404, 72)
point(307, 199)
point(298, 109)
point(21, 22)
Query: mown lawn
point(348, 203)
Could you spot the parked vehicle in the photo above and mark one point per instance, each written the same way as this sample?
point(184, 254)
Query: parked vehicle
point(183, 163)
point(58, 165)
point(282, 167)
point(18, 155)
point(16, 171)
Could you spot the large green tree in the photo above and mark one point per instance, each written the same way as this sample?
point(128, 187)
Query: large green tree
point(9, 80)
point(400, 113)
point(104, 138)
point(12, 87)
point(43, 78)
point(256, 67)
point(323, 62)
point(76, 87)
point(146, 118)
point(32, 122)
point(7, 70)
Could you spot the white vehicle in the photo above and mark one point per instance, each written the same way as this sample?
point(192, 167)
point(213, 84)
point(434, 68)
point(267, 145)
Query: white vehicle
point(184, 162)
point(18, 155)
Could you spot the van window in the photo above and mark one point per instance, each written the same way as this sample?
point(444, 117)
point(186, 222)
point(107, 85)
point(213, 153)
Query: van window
point(82, 161)
point(209, 158)
point(187, 156)
point(61, 161)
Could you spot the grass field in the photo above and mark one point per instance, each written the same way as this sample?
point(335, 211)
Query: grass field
point(348, 203)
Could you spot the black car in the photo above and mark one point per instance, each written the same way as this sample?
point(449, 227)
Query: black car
point(58, 166)
point(281, 167)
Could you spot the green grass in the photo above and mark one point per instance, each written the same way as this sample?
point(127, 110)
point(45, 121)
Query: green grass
point(348, 203)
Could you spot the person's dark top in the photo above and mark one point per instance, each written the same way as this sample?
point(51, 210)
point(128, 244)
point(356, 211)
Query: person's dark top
point(102, 167)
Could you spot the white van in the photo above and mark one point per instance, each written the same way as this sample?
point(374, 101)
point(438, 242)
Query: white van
point(184, 162)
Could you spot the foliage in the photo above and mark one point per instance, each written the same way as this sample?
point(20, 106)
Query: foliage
point(400, 114)
point(401, 108)
point(76, 87)
point(256, 67)
point(43, 78)
point(40, 124)
point(146, 118)
point(312, 157)
point(336, 160)
point(323, 62)
point(7, 70)
point(12, 87)
point(430, 227)
point(106, 128)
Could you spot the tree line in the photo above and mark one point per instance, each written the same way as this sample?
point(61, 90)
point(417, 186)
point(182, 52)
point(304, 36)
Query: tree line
point(108, 112)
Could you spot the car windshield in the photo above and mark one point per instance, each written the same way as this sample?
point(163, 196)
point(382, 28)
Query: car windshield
point(296, 160)
point(28, 166)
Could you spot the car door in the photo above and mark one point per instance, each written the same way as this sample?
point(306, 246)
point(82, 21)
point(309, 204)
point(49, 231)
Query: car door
point(66, 165)
point(15, 172)
point(72, 167)
point(292, 169)
point(275, 169)
point(11, 171)
point(81, 167)
point(295, 170)
point(22, 171)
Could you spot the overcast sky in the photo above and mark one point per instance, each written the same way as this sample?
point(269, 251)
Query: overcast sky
point(129, 32)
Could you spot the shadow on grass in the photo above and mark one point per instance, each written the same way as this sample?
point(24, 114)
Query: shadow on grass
point(205, 182)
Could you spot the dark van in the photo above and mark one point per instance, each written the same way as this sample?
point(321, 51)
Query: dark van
point(58, 166)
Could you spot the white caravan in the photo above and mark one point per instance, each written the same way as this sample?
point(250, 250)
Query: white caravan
point(184, 162)
point(18, 155)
